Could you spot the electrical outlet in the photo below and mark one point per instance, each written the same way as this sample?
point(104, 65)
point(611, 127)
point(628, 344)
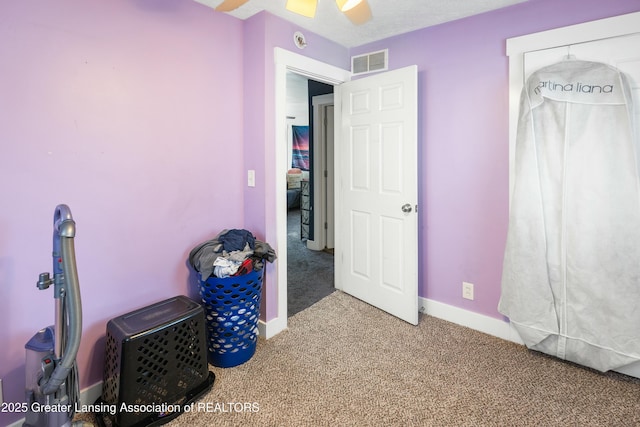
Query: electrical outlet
point(251, 178)
point(467, 290)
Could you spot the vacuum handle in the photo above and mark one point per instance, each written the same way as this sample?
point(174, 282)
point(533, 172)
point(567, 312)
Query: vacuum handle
point(64, 232)
point(63, 224)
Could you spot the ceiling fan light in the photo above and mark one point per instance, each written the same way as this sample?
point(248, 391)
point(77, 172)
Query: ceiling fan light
point(303, 7)
point(359, 14)
point(230, 5)
point(345, 5)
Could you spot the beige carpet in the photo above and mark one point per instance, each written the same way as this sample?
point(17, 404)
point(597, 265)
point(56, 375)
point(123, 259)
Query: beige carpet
point(345, 363)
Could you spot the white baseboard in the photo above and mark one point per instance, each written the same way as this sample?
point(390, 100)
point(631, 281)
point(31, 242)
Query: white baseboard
point(488, 325)
point(315, 245)
point(272, 327)
point(479, 322)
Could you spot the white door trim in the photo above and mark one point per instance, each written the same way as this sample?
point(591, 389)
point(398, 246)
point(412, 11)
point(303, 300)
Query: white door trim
point(322, 72)
point(319, 165)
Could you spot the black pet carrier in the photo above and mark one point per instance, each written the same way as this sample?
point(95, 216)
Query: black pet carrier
point(155, 364)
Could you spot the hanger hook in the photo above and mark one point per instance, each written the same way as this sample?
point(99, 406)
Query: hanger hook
point(569, 55)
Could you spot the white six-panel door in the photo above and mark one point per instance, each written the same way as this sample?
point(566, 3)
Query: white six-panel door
point(377, 185)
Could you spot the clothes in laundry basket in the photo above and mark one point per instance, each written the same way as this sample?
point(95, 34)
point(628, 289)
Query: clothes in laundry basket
point(236, 240)
point(223, 255)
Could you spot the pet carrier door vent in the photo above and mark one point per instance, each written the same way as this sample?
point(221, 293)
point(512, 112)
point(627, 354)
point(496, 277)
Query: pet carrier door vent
point(154, 356)
point(370, 62)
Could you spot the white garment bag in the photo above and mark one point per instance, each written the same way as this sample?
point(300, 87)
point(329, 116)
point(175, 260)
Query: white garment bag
point(571, 273)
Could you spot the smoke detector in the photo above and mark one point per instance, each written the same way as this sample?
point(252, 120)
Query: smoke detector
point(299, 40)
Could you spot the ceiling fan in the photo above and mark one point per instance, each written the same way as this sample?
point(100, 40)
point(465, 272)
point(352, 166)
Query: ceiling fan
point(358, 11)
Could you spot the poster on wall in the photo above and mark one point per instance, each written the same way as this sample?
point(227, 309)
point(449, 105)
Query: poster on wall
point(300, 147)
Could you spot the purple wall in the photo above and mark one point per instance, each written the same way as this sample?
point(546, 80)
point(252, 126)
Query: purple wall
point(144, 115)
point(131, 113)
point(463, 139)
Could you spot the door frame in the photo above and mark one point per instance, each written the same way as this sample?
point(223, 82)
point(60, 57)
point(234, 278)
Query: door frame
point(289, 61)
point(322, 191)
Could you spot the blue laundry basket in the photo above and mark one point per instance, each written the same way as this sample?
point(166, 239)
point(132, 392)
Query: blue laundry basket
point(232, 307)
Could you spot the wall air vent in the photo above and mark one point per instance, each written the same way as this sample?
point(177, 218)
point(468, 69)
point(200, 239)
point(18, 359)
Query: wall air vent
point(370, 62)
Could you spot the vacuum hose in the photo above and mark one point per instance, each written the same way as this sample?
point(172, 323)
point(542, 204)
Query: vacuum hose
point(64, 232)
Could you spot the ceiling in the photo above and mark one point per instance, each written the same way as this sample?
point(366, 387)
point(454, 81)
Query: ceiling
point(390, 17)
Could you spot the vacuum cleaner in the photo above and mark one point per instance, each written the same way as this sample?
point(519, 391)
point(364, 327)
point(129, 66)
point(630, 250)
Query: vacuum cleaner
point(52, 386)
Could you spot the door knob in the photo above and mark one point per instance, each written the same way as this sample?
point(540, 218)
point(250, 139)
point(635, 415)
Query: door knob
point(406, 208)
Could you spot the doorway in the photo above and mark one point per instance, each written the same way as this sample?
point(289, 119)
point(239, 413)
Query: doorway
point(317, 70)
point(288, 61)
point(310, 263)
